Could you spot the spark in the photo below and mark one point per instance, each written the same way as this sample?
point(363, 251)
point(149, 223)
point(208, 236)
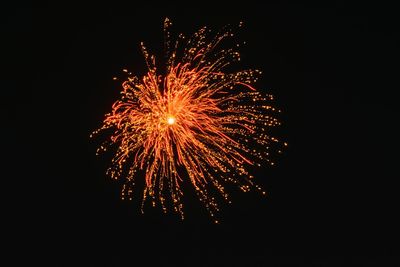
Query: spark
point(194, 122)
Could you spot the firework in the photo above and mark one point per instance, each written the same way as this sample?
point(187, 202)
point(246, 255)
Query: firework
point(191, 121)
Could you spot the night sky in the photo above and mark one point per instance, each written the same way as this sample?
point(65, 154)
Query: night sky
point(331, 196)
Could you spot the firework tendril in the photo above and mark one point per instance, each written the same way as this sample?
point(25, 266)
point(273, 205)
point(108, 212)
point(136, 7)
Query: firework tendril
point(194, 121)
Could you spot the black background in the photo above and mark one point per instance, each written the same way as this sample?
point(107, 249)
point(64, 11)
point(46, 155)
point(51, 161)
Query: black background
point(332, 69)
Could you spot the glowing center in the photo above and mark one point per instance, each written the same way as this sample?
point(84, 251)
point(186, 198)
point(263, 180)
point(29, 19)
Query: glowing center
point(171, 120)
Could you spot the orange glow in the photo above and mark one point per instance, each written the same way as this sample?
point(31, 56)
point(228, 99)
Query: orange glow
point(195, 123)
point(171, 120)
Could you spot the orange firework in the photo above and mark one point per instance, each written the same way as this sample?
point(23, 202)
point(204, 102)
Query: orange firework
point(195, 122)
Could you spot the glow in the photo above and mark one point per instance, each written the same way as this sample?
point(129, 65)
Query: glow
point(171, 120)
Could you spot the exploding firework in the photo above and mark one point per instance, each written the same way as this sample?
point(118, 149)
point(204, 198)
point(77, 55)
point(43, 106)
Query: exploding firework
point(191, 121)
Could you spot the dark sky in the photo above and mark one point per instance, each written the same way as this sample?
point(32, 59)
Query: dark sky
point(333, 71)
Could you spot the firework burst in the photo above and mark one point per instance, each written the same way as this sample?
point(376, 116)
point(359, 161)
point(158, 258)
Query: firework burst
point(192, 121)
